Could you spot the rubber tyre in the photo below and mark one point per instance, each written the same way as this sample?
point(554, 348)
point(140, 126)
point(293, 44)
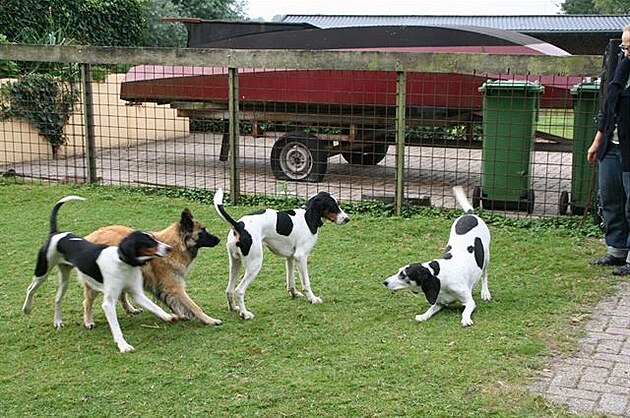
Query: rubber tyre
point(299, 156)
point(529, 200)
point(476, 197)
point(563, 203)
point(371, 154)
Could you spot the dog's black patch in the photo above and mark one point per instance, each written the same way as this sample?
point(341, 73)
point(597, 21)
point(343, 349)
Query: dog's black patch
point(245, 239)
point(470, 249)
point(479, 252)
point(435, 266)
point(465, 224)
point(429, 284)
point(42, 262)
point(82, 255)
point(284, 224)
point(447, 253)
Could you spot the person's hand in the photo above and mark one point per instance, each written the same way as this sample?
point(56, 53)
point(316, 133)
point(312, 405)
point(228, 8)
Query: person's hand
point(591, 153)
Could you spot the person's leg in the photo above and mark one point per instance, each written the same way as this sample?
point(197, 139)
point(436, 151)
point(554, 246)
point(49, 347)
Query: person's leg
point(613, 202)
point(625, 269)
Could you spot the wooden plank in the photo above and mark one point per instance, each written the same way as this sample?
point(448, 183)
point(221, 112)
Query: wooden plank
point(580, 65)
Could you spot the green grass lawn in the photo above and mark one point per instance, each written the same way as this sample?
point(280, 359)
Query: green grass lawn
point(360, 353)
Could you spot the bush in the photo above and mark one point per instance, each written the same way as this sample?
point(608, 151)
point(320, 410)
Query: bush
point(87, 22)
point(46, 101)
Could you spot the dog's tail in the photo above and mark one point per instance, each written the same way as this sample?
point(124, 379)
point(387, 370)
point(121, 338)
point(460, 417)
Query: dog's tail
point(218, 205)
point(462, 200)
point(53, 215)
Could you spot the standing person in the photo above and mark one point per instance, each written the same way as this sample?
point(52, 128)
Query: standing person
point(611, 150)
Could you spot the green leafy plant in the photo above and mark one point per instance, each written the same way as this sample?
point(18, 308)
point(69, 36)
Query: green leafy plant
point(47, 94)
point(44, 100)
point(7, 68)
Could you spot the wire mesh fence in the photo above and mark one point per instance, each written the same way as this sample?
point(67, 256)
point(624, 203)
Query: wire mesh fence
point(513, 139)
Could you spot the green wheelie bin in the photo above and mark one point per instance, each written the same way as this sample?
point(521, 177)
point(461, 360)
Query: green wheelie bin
point(583, 185)
point(510, 113)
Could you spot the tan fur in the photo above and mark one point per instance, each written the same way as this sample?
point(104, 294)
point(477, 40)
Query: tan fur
point(164, 277)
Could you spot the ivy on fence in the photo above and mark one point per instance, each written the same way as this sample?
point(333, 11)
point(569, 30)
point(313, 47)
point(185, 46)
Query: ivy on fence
point(46, 101)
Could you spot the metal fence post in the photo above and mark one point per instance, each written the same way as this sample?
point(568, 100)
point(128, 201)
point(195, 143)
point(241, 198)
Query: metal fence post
point(88, 114)
point(401, 101)
point(233, 132)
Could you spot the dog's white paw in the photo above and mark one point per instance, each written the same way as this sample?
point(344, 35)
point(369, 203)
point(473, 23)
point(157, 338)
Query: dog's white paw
point(125, 347)
point(485, 296)
point(315, 299)
point(295, 293)
point(208, 320)
point(422, 318)
point(246, 315)
point(466, 322)
point(90, 325)
point(58, 324)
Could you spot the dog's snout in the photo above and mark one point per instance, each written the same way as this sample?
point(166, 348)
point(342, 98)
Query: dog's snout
point(385, 282)
point(342, 218)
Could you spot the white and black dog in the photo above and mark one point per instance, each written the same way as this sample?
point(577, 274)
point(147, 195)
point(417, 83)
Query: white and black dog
point(452, 278)
point(106, 269)
point(291, 234)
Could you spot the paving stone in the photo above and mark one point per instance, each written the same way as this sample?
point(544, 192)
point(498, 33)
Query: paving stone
point(595, 374)
point(601, 364)
point(581, 406)
point(610, 346)
point(612, 404)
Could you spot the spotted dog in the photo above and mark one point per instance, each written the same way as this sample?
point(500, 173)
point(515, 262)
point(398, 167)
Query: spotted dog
point(163, 277)
point(106, 269)
point(452, 278)
point(291, 234)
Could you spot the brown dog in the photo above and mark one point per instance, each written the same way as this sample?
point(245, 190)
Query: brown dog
point(164, 277)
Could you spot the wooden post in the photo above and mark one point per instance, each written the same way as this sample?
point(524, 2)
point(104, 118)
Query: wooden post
point(234, 134)
point(88, 114)
point(401, 101)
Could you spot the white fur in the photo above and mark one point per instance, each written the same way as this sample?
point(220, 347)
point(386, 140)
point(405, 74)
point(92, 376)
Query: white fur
point(457, 275)
point(295, 248)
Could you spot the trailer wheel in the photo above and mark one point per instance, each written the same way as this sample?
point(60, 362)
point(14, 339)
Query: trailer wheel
point(476, 197)
point(563, 204)
point(371, 153)
point(299, 156)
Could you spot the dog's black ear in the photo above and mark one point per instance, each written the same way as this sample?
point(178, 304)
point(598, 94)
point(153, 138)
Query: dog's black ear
point(186, 221)
point(315, 211)
point(431, 288)
point(429, 283)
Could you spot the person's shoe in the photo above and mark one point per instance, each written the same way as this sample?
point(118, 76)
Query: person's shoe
point(608, 260)
point(623, 270)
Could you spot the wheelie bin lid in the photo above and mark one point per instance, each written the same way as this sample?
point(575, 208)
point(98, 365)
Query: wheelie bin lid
point(528, 86)
point(586, 86)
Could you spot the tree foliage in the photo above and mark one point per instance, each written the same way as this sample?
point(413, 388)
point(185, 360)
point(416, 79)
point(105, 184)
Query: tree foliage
point(87, 22)
point(573, 7)
point(612, 6)
point(211, 9)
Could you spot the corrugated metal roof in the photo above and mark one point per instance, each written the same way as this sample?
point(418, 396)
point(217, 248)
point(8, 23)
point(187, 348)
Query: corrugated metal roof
point(529, 24)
